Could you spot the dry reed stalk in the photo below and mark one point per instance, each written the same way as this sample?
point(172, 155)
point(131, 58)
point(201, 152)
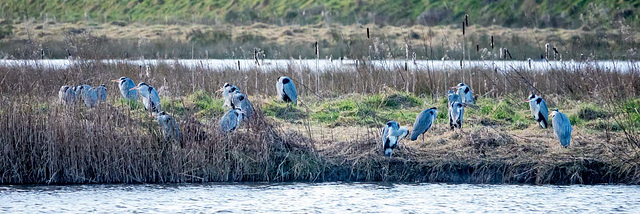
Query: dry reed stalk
point(368, 37)
point(317, 53)
point(491, 42)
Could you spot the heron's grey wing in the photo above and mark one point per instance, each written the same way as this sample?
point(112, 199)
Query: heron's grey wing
point(90, 98)
point(385, 135)
point(155, 99)
point(469, 96)
point(290, 90)
point(562, 127)
point(544, 111)
point(247, 107)
point(102, 93)
point(279, 89)
point(422, 124)
point(225, 122)
point(133, 94)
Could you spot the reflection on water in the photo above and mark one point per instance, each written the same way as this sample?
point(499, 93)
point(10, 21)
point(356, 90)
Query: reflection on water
point(325, 197)
point(322, 65)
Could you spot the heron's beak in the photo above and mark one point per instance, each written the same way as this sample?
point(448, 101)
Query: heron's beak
point(526, 101)
point(116, 80)
point(134, 88)
point(455, 87)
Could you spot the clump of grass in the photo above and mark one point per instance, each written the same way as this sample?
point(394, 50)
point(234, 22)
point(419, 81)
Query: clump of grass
point(591, 112)
point(284, 111)
point(132, 104)
point(205, 105)
point(575, 120)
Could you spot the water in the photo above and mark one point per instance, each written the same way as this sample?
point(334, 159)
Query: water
point(320, 198)
point(321, 65)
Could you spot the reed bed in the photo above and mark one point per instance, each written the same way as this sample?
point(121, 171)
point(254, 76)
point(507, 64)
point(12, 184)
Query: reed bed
point(44, 142)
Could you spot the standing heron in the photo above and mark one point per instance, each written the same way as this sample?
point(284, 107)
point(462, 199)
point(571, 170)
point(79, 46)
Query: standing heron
point(539, 110)
point(150, 97)
point(169, 127)
point(148, 71)
point(125, 84)
point(227, 93)
point(88, 95)
point(456, 114)
point(562, 127)
point(453, 97)
point(391, 134)
point(231, 120)
point(287, 90)
point(241, 101)
point(423, 122)
point(465, 93)
point(78, 90)
point(67, 95)
point(101, 91)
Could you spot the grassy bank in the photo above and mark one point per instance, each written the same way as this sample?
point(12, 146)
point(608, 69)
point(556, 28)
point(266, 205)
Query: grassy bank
point(545, 13)
point(333, 136)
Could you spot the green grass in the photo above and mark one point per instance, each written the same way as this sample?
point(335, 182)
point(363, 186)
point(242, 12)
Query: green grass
point(591, 112)
point(205, 105)
point(132, 104)
point(376, 109)
point(632, 107)
point(563, 13)
point(284, 111)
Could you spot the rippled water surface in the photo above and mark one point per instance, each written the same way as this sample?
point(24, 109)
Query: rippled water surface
point(320, 198)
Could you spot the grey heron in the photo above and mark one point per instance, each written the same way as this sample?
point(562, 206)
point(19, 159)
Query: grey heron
point(231, 120)
point(101, 91)
point(453, 97)
point(539, 110)
point(423, 122)
point(562, 127)
point(287, 90)
point(67, 95)
point(88, 95)
point(150, 97)
point(465, 93)
point(456, 115)
point(148, 71)
point(125, 84)
point(169, 127)
point(241, 101)
point(227, 93)
point(78, 90)
point(391, 134)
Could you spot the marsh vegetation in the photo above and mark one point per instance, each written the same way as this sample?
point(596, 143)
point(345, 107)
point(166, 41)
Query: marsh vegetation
point(333, 135)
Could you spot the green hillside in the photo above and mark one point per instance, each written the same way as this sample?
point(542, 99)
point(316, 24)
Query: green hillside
point(540, 13)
